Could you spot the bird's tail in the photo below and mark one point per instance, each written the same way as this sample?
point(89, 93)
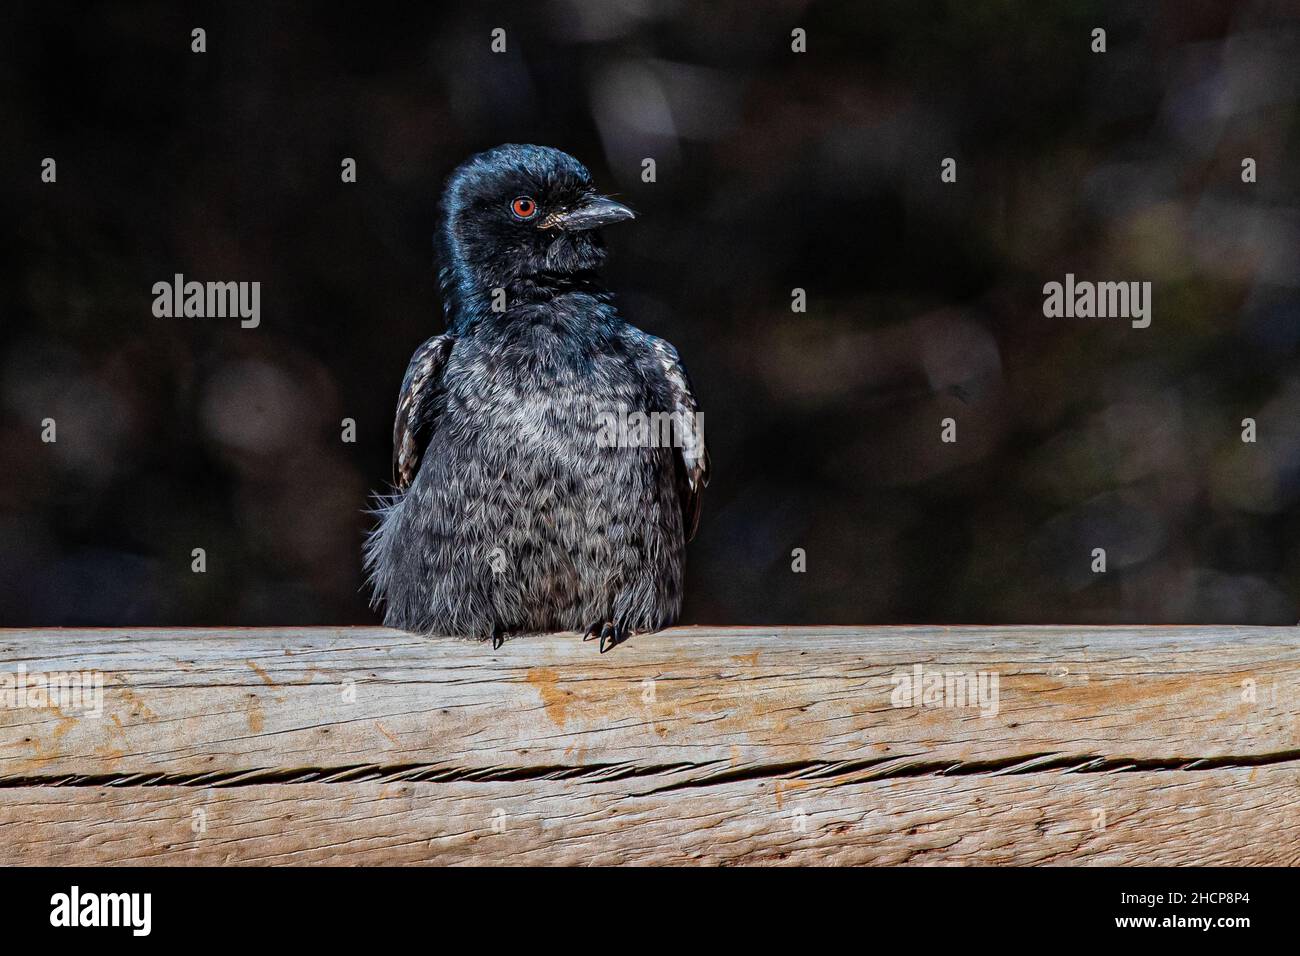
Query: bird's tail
point(376, 553)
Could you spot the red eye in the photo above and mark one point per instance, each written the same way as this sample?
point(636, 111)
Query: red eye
point(524, 208)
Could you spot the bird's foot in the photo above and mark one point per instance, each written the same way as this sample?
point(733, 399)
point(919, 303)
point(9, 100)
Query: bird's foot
point(609, 633)
point(498, 637)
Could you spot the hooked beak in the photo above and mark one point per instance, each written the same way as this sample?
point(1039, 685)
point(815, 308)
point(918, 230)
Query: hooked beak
point(592, 214)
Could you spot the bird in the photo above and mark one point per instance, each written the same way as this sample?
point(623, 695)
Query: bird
point(522, 500)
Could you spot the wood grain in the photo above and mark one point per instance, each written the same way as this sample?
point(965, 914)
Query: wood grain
point(738, 745)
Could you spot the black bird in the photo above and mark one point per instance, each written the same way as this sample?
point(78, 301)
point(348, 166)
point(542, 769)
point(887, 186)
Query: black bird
point(530, 496)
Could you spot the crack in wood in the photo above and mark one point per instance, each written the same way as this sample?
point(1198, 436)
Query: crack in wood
point(862, 770)
point(857, 771)
point(360, 773)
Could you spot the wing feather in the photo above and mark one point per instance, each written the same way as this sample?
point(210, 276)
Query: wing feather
point(688, 420)
point(417, 408)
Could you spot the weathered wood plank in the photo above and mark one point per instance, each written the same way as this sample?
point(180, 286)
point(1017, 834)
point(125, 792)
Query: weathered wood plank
point(1239, 816)
point(718, 701)
point(678, 746)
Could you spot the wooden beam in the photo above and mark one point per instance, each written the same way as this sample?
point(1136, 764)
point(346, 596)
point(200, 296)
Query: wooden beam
point(738, 745)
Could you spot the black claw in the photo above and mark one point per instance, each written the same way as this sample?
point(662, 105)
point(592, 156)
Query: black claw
point(498, 638)
point(615, 634)
point(593, 631)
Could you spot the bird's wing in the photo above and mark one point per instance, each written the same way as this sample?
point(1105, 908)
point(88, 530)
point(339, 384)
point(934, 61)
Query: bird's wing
point(416, 408)
point(691, 454)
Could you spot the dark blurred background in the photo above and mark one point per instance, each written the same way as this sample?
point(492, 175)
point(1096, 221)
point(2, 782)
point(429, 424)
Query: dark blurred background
point(775, 170)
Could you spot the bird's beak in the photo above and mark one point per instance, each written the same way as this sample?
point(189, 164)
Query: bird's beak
point(590, 215)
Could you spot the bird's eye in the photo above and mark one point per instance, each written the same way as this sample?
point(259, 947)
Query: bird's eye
point(524, 207)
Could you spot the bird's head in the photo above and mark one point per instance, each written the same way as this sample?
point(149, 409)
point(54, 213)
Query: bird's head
point(520, 213)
